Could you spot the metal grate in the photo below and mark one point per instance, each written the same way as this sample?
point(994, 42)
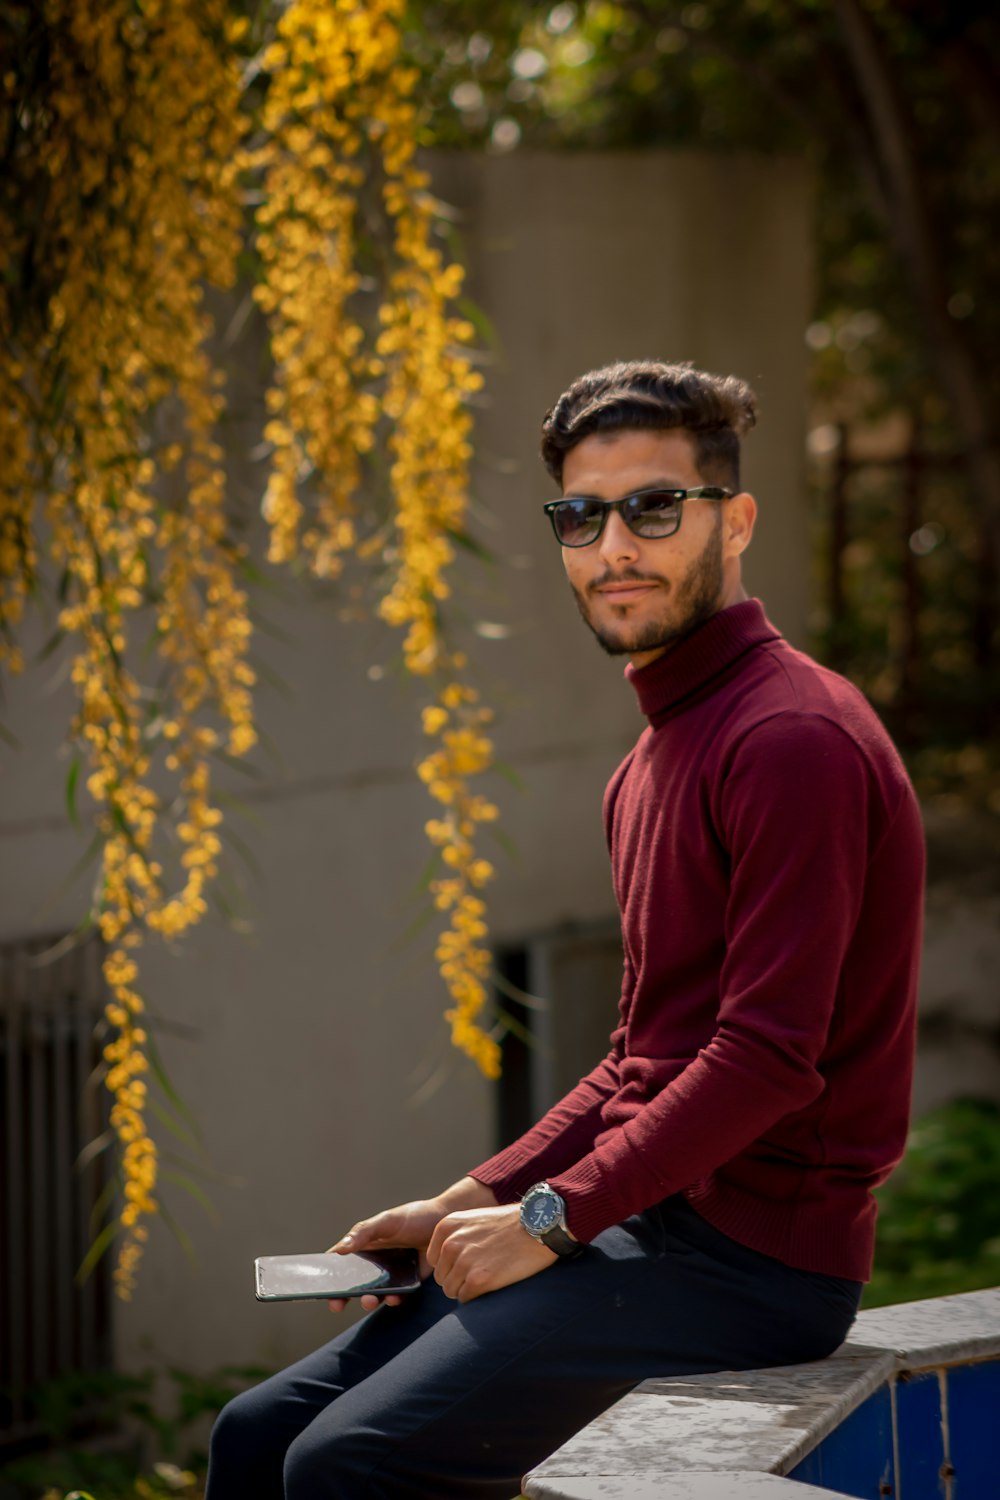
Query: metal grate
point(51, 1106)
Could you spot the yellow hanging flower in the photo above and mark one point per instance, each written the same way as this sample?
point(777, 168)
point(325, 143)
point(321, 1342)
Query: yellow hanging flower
point(340, 114)
point(131, 150)
point(128, 146)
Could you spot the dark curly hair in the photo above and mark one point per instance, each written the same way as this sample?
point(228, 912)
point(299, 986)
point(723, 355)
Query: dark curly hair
point(715, 409)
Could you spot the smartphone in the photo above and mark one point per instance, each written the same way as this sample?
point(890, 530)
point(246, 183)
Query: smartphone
point(286, 1278)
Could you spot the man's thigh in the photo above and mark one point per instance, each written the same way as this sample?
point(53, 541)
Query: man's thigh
point(492, 1386)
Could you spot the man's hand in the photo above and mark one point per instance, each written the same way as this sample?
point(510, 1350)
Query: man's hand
point(409, 1226)
point(480, 1250)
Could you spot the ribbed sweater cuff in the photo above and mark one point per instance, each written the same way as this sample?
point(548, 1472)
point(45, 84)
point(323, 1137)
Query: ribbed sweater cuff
point(590, 1204)
point(508, 1174)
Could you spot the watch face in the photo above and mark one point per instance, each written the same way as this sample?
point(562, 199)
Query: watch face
point(541, 1212)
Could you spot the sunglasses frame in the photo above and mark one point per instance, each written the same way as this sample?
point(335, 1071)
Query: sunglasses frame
point(700, 492)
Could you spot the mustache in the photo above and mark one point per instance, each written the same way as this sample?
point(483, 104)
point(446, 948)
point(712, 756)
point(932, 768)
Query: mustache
point(631, 575)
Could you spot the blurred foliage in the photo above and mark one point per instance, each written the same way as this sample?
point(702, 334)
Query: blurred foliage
point(108, 1435)
point(781, 76)
point(939, 1214)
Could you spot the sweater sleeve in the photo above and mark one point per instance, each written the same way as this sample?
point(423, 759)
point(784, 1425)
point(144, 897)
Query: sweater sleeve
point(793, 813)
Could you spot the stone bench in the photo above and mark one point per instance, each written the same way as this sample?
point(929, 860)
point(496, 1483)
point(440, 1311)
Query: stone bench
point(908, 1407)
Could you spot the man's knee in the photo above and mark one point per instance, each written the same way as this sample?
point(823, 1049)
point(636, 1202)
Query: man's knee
point(334, 1465)
point(240, 1433)
point(310, 1468)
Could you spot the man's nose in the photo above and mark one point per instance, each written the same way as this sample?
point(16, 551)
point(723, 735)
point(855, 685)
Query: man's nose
point(617, 544)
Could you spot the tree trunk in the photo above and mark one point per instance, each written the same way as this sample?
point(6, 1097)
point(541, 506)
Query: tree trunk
point(911, 226)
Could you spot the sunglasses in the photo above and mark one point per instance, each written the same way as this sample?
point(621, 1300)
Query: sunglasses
point(578, 520)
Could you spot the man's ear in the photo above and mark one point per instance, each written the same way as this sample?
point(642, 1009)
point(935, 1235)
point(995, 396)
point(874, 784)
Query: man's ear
point(739, 518)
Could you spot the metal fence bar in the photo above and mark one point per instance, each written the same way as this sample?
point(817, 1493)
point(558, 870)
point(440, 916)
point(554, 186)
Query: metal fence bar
point(39, 1250)
point(14, 1216)
point(64, 1186)
point(51, 1106)
point(88, 1182)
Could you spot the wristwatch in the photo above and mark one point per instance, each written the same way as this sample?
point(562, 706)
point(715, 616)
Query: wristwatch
point(543, 1215)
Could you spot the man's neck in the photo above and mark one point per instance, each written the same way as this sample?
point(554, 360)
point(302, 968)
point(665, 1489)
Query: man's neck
point(727, 598)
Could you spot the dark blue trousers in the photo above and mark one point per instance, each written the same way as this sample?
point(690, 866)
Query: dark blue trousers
point(437, 1400)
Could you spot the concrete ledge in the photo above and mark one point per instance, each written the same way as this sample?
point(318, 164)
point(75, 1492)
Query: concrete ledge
point(731, 1435)
point(940, 1331)
point(737, 1485)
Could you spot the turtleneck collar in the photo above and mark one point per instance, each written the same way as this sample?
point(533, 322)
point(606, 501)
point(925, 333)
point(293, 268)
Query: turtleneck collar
point(709, 650)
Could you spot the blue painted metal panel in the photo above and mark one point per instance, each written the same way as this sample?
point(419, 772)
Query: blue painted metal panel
point(921, 1441)
point(856, 1458)
point(974, 1420)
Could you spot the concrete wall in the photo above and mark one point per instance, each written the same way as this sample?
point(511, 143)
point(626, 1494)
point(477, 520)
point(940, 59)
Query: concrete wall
point(312, 1049)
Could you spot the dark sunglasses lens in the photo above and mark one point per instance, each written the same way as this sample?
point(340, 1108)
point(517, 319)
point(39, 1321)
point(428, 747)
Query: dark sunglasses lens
point(578, 521)
point(657, 513)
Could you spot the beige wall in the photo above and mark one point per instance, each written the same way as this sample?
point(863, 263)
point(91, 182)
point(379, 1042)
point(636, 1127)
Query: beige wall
point(312, 1051)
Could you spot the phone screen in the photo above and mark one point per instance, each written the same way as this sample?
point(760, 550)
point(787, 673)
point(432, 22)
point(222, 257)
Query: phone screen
point(285, 1278)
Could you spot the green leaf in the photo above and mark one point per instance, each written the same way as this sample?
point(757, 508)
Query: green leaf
point(242, 848)
point(9, 738)
point(72, 777)
point(270, 748)
point(88, 857)
point(273, 679)
point(103, 1203)
point(515, 1027)
point(245, 809)
point(263, 626)
point(200, 1169)
point(167, 1120)
point(93, 1149)
point(227, 908)
point(431, 870)
point(261, 580)
point(52, 645)
point(160, 1074)
point(485, 329)
point(180, 1235)
point(97, 1249)
point(181, 1180)
point(506, 770)
point(513, 992)
point(505, 841)
point(470, 544)
point(236, 763)
point(413, 929)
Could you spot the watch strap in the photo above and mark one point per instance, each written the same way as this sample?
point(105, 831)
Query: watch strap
point(558, 1240)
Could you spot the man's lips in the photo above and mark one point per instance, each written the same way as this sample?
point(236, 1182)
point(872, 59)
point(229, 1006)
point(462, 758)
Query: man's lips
point(626, 590)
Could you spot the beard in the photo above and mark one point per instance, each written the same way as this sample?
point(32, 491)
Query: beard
point(686, 605)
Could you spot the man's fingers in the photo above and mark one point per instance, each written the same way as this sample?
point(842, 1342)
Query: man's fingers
point(368, 1234)
point(438, 1241)
point(447, 1272)
point(369, 1302)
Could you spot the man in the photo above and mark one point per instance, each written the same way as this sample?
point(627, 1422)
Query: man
point(702, 1199)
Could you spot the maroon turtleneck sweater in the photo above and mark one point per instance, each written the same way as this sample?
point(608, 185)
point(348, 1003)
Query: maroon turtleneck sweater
point(768, 861)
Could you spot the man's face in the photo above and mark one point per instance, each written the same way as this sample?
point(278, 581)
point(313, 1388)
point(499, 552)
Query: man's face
point(640, 597)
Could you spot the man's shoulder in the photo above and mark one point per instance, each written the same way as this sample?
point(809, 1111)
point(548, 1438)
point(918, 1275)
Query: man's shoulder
point(788, 686)
point(799, 717)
